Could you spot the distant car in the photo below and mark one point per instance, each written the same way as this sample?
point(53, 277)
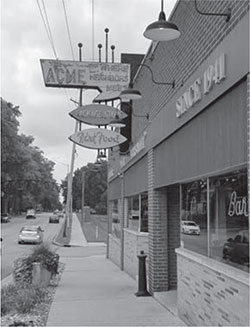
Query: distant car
point(54, 218)
point(237, 249)
point(31, 214)
point(5, 218)
point(190, 227)
point(92, 211)
point(31, 234)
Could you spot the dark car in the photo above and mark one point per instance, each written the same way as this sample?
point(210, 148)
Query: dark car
point(54, 218)
point(31, 214)
point(237, 249)
point(5, 218)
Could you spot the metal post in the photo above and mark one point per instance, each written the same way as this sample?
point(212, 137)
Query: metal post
point(142, 277)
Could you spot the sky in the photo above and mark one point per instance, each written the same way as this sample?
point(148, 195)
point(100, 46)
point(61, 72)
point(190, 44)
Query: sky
point(25, 40)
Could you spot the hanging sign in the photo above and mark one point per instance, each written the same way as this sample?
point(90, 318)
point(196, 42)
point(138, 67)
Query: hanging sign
point(97, 138)
point(97, 114)
point(85, 74)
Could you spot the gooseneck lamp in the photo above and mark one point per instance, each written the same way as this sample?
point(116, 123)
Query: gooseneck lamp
point(162, 30)
point(132, 94)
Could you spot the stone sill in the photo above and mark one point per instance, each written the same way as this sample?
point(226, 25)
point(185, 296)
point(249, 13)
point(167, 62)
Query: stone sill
point(218, 267)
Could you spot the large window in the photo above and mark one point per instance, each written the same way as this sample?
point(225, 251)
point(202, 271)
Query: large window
point(137, 212)
point(219, 230)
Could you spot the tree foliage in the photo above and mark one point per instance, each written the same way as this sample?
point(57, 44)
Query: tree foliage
point(95, 187)
point(26, 175)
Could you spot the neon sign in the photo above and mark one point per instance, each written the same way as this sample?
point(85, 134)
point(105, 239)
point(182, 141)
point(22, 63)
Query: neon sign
point(237, 205)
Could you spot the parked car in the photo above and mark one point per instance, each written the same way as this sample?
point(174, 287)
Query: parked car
point(54, 218)
point(5, 218)
point(31, 214)
point(236, 249)
point(190, 227)
point(31, 234)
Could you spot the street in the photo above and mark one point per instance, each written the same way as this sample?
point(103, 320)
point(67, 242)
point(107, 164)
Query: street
point(11, 250)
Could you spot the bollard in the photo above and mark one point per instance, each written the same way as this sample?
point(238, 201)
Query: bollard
point(142, 278)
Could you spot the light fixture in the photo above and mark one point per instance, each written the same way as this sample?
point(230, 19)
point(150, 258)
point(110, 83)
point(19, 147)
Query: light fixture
point(162, 30)
point(226, 14)
point(130, 93)
point(117, 122)
point(133, 94)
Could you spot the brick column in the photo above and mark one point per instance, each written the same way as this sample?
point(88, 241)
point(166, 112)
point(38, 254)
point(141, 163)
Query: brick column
point(157, 227)
point(174, 236)
point(248, 142)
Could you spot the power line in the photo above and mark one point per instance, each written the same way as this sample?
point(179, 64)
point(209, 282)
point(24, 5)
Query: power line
point(67, 25)
point(46, 26)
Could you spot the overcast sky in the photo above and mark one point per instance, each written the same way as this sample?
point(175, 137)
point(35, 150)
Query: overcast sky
point(24, 42)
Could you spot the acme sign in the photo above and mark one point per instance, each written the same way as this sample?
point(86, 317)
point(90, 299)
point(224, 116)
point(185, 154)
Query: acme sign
point(85, 74)
point(97, 138)
point(97, 114)
point(213, 75)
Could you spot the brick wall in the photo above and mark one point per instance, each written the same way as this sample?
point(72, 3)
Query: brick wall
point(134, 242)
point(114, 250)
point(179, 59)
point(209, 294)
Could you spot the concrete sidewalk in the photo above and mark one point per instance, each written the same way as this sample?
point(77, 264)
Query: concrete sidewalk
point(95, 292)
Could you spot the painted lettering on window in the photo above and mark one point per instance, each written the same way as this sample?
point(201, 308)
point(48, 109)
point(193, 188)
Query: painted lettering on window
point(237, 205)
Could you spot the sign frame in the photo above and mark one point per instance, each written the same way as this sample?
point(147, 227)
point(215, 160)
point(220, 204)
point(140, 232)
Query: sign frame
point(102, 76)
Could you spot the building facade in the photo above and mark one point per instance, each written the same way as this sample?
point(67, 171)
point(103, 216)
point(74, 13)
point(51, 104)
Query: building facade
point(180, 192)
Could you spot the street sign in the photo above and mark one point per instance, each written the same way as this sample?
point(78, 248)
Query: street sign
point(85, 74)
point(97, 138)
point(97, 114)
point(107, 96)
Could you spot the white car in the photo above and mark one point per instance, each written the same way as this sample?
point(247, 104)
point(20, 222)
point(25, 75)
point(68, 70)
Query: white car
point(190, 227)
point(31, 234)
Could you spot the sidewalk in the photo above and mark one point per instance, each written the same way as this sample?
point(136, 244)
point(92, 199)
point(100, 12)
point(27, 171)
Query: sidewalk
point(95, 292)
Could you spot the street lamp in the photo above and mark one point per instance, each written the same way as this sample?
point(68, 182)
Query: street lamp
point(162, 30)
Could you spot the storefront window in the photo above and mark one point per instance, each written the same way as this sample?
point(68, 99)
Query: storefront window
point(194, 216)
point(115, 218)
point(222, 232)
point(138, 212)
point(229, 232)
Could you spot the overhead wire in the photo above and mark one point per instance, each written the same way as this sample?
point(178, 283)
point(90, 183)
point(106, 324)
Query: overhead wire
point(47, 26)
point(68, 30)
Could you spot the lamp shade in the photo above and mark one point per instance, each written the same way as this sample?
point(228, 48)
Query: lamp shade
point(130, 94)
point(117, 123)
point(162, 30)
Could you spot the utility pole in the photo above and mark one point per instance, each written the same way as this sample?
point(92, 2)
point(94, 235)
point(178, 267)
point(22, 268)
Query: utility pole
point(83, 189)
point(69, 202)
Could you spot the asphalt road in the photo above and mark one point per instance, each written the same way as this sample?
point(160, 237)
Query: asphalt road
point(11, 250)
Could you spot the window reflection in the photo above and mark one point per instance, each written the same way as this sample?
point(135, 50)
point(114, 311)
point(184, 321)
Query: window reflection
point(194, 216)
point(229, 233)
point(222, 232)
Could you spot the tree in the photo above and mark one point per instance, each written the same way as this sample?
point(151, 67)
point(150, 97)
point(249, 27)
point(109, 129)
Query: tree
point(26, 175)
point(95, 187)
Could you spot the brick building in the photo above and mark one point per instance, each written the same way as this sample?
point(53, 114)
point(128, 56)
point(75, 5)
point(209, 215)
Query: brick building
point(180, 190)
